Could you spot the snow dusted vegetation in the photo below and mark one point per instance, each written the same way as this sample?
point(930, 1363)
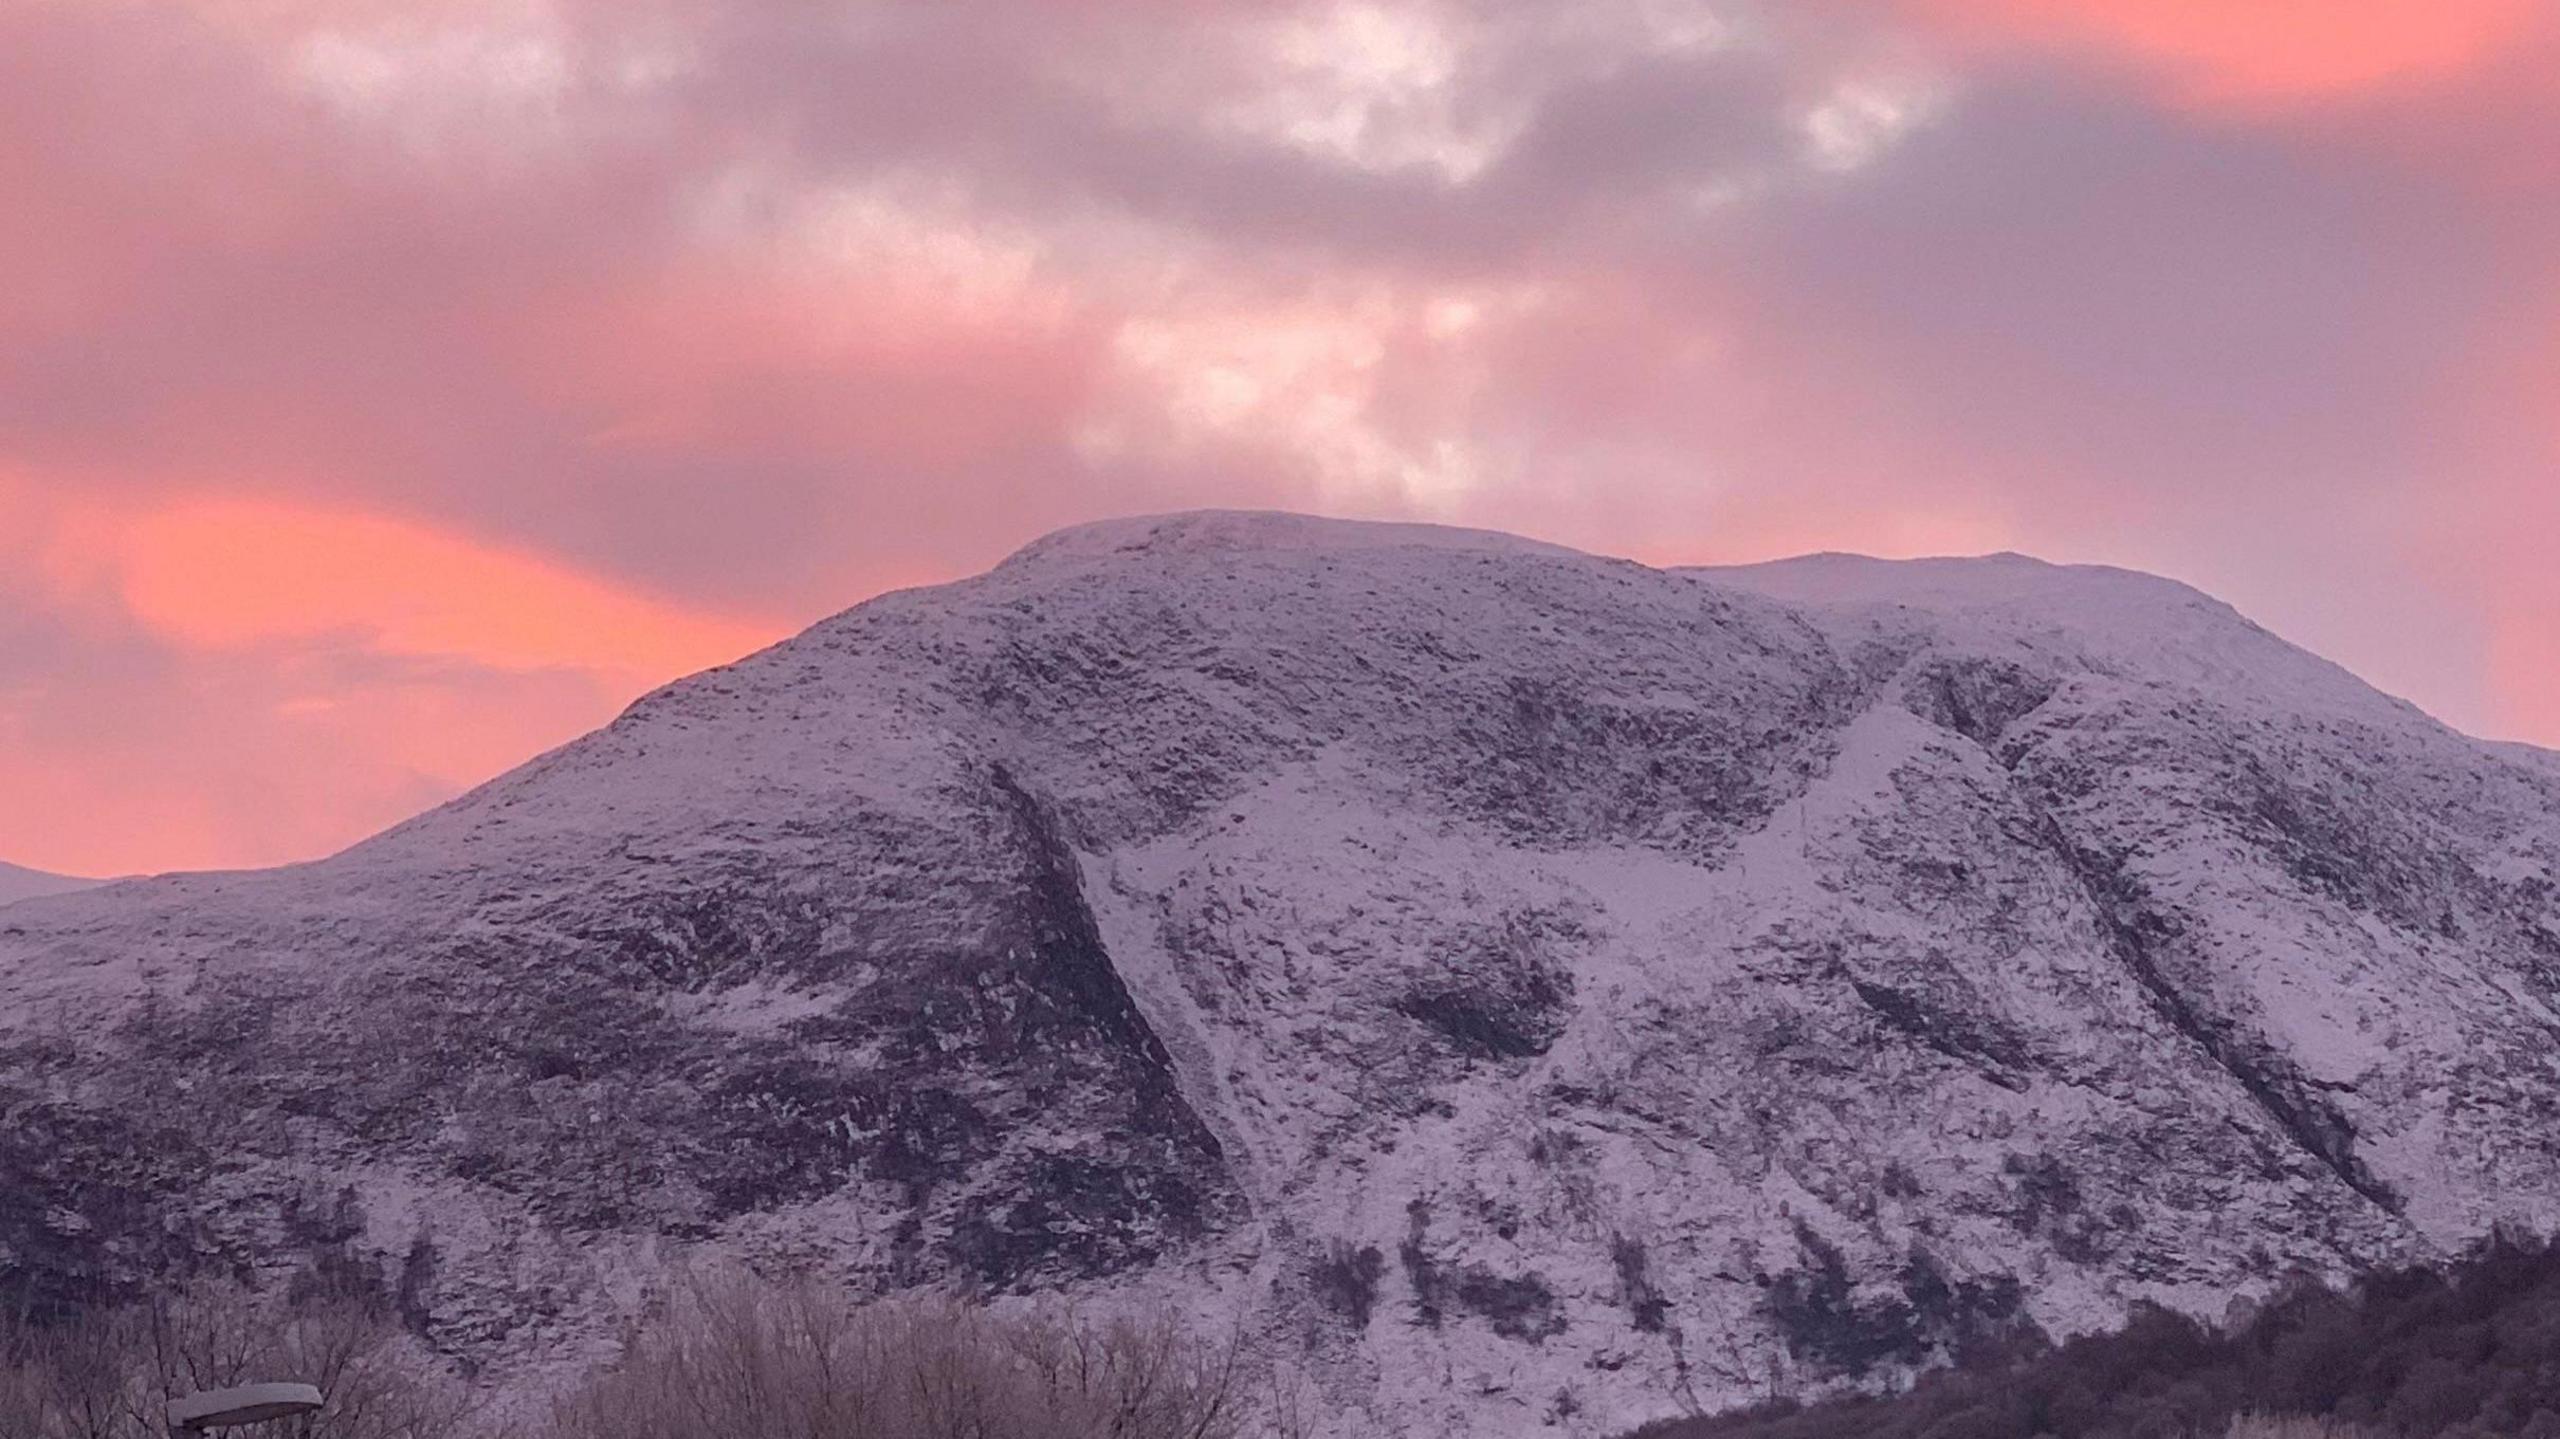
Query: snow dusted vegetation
point(1529, 993)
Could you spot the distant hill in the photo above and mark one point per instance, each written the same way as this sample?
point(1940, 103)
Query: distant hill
point(18, 883)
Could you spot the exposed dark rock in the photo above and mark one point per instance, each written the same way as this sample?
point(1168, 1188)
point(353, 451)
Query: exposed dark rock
point(1345, 1280)
point(1827, 1322)
point(1520, 1306)
point(1976, 698)
point(1971, 1038)
point(1636, 1289)
point(1431, 1284)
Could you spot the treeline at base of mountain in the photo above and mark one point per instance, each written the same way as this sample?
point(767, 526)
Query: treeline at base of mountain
point(722, 1354)
point(2466, 1351)
point(2470, 1350)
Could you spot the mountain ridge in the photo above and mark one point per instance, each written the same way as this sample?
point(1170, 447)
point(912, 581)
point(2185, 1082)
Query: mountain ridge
point(1532, 993)
point(18, 882)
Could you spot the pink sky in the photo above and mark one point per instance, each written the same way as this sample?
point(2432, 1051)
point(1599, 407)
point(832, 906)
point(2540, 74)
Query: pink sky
point(390, 389)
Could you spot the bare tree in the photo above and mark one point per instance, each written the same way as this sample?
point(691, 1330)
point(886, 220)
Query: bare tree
point(732, 1356)
point(109, 1373)
point(727, 1355)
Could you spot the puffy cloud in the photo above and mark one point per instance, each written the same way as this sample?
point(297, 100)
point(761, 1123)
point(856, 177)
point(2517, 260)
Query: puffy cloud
point(389, 389)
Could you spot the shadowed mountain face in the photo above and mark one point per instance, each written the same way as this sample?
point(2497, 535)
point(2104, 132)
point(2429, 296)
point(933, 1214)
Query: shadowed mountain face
point(1530, 993)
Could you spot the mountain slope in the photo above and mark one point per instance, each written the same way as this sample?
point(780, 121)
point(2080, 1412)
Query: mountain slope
point(1534, 992)
point(17, 883)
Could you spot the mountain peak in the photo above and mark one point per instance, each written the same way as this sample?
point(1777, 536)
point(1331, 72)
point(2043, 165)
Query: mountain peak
point(1834, 577)
point(1240, 531)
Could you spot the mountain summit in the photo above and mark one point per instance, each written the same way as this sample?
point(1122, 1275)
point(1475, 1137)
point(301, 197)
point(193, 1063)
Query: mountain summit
point(1532, 993)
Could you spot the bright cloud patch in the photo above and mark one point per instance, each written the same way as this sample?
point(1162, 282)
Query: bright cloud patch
point(1371, 85)
point(1308, 382)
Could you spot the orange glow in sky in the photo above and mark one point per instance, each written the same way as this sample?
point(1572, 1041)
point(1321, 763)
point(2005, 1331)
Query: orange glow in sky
point(2255, 51)
point(239, 574)
point(390, 391)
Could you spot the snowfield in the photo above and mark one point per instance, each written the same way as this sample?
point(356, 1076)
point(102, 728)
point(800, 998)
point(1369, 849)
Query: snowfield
point(1529, 993)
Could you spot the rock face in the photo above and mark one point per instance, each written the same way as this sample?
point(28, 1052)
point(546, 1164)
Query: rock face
point(1529, 993)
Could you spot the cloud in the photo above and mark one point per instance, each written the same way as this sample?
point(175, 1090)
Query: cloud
point(387, 389)
point(2259, 53)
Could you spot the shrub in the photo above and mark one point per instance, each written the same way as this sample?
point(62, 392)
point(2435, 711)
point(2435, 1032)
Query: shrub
point(732, 1356)
point(726, 1356)
point(109, 1373)
point(2464, 1352)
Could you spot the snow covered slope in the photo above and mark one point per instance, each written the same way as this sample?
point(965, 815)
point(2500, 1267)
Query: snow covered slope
point(1531, 993)
point(17, 883)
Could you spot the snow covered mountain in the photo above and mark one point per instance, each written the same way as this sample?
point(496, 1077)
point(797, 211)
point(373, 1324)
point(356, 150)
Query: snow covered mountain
point(17, 883)
point(1530, 992)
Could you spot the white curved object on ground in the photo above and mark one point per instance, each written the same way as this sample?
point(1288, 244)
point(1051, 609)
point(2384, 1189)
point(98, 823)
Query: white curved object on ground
point(242, 1404)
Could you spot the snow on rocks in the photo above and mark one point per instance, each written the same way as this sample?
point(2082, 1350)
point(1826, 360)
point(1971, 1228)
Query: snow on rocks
point(1529, 993)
